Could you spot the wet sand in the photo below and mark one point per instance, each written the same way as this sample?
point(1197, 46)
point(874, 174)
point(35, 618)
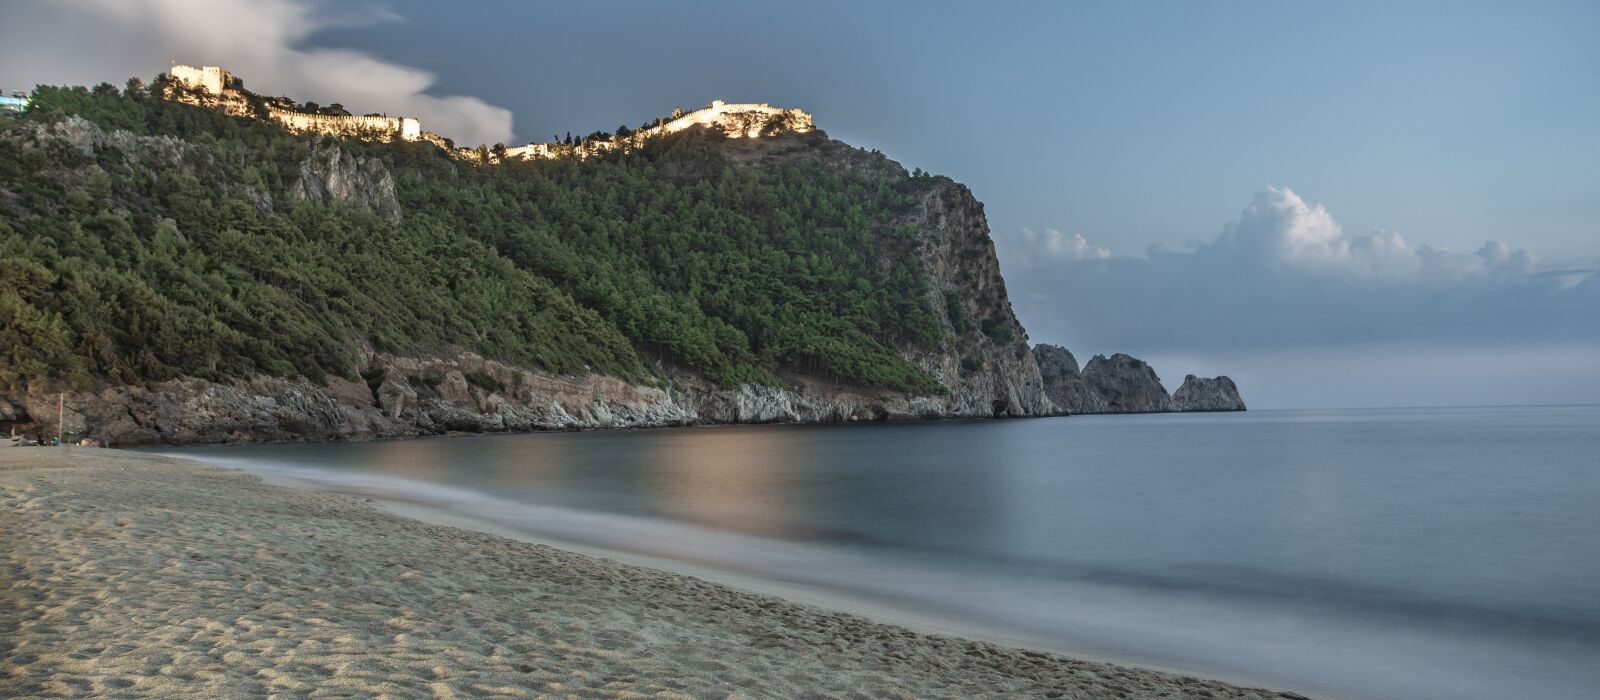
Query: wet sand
point(136, 575)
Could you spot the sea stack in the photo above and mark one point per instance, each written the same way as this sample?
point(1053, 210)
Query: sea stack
point(1127, 384)
point(1202, 394)
point(1122, 383)
point(1063, 382)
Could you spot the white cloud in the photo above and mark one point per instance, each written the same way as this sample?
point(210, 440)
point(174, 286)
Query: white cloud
point(1285, 273)
point(1061, 246)
point(1281, 230)
point(261, 41)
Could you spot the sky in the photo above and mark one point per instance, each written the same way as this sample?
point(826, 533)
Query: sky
point(1336, 204)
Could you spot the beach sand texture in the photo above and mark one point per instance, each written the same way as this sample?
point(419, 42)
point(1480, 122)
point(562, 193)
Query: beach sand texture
point(131, 575)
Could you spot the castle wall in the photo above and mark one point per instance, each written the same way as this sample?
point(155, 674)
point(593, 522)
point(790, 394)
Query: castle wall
point(736, 120)
point(407, 128)
point(535, 150)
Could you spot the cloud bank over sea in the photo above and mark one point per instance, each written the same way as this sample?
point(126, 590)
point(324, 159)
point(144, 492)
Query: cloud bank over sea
point(1285, 277)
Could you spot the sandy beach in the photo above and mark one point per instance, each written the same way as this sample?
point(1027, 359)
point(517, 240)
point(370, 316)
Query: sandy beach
point(133, 575)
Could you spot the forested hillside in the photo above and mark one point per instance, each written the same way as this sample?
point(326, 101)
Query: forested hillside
point(147, 241)
point(122, 268)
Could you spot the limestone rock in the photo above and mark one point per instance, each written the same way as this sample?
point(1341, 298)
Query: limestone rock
point(395, 395)
point(1202, 394)
point(329, 175)
point(1063, 382)
point(126, 156)
point(987, 365)
point(1128, 384)
point(455, 390)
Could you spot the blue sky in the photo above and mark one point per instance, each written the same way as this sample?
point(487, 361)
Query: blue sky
point(1069, 115)
point(1321, 177)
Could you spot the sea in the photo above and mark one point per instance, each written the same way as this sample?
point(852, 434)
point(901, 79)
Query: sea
point(1380, 553)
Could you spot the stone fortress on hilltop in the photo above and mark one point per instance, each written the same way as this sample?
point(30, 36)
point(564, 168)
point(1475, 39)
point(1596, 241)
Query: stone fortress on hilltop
point(214, 86)
point(733, 120)
point(213, 80)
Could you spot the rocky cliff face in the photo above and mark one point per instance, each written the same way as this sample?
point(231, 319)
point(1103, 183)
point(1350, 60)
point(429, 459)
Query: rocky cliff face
point(330, 175)
point(1063, 381)
point(986, 363)
point(433, 395)
point(1125, 384)
point(984, 360)
point(1128, 384)
point(142, 156)
point(1201, 394)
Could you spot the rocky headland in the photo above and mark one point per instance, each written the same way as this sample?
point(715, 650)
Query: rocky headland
point(154, 358)
point(983, 364)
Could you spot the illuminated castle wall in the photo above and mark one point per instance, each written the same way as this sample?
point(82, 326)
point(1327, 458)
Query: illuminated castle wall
point(218, 83)
point(734, 120)
point(408, 128)
point(214, 86)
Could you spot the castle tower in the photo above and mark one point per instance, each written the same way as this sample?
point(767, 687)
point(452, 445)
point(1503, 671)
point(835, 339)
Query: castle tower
point(211, 79)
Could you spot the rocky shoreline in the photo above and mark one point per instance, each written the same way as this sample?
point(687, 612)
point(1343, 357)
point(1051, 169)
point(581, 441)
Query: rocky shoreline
point(463, 393)
point(458, 393)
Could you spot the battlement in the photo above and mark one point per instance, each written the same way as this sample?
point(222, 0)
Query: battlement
point(383, 128)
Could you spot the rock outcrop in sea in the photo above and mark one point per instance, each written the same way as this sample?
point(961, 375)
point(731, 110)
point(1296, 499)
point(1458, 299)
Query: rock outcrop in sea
point(1063, 381)
point(1122, 383)
point(1201, 394)
point(1127, 384)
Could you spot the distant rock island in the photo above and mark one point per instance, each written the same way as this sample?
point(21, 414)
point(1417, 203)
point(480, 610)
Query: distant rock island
point(1122, 383)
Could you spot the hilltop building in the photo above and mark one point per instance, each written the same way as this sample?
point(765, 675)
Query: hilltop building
point(216, 87)
point(219, 88)
point(210, 79)
point(734, 120)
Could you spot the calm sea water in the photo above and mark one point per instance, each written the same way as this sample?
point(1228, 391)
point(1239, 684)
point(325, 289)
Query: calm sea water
point(1418, 553)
